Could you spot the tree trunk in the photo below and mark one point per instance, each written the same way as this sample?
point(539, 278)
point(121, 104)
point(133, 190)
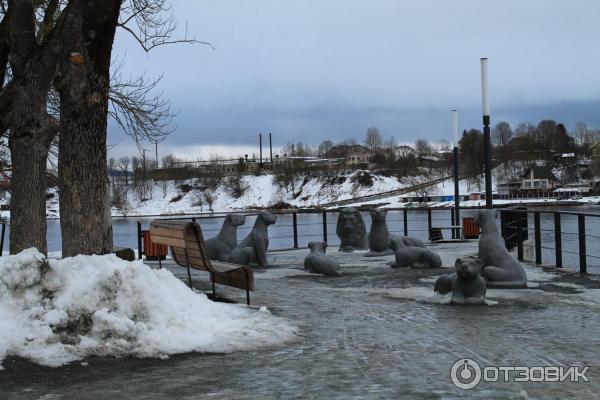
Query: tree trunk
point(28, 197)
point(83, 85)
point(31, 135)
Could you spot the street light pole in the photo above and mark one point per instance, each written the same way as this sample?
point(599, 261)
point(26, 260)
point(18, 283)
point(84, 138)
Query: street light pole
point(456, 178)
point(487, 145)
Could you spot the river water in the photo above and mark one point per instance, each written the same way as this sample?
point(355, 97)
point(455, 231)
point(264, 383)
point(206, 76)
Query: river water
point(310, 228)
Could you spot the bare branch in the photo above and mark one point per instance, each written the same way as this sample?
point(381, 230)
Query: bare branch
point(138, 109)
point(152, 24)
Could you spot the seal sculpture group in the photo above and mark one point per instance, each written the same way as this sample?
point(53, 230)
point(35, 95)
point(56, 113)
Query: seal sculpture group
point(466, 285)
point(381, 242)
point(351, 230)
point(252, 251)
point(220, 247)
point(317, 262)
point(499, 267)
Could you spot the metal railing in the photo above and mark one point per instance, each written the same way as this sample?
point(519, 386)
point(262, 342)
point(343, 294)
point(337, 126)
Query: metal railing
point(402, 225)
point(548, 228)
point(2, 236)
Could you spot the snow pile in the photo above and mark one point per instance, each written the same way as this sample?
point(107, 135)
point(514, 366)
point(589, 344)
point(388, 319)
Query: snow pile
point(54, 312)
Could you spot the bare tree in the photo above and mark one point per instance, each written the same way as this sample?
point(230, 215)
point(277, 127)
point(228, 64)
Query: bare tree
point(373, 139)
point(209, 198)
point(583, 135)
point(324, 147)
point(502, 133)
point(423, 148)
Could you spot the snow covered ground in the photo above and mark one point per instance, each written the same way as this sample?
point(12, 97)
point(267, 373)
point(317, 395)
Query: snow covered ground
point(54, 312)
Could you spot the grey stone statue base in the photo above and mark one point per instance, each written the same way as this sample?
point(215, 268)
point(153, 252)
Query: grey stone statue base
point(252, 251)
point(351, 230)
point(500, 269)
point(466, 285)
point(317, 262)
point(220, 247)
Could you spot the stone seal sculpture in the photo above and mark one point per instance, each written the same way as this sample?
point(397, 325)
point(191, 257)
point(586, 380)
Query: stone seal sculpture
point(500, 268)
point(351, 230)
point(466, 285)
point(220, 247)
point(381, 242)
point(380, 239)
point(415, 257)
point(252, 251)
point(317, 262)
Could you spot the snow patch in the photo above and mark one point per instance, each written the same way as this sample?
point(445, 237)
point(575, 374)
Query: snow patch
point(55, 312)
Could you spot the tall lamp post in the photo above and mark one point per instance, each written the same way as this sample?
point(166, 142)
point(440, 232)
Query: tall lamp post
point(456, 179)
point(487, 146)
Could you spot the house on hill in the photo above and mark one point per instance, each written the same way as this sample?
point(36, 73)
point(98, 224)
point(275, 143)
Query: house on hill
point(539, 178)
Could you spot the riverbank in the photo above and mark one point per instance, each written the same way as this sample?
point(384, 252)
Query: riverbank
point(251, 193)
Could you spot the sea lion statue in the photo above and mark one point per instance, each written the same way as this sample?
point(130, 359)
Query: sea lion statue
point(317, 262)
point(252, 251)
point(351, 230)
point(415, 257)
point(466, 285)
point(380, 239)
point(381, 242)
point(500, 269)
point(220, 247)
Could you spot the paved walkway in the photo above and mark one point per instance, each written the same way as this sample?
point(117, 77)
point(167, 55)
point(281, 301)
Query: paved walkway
point(373, 333)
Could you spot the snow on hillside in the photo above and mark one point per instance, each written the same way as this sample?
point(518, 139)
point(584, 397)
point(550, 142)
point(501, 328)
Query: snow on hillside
point(261, 192)
point(53, 312)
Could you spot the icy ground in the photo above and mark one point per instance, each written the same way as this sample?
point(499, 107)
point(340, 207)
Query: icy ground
point(54, 312)
point(372, 333)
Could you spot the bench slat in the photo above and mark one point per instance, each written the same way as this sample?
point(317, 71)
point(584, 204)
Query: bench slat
point(167, 232)
point(169, 241)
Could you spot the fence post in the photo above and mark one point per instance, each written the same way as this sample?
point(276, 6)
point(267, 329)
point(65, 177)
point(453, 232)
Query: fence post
point(2, 239)
point(504, 229)
point(452, 222)
point(537, 236)
point(139, 237)
point(325, 226)
point(295, 224)
point(429, 223)
point(557, 240)
point(582, 251)
point(405, 214)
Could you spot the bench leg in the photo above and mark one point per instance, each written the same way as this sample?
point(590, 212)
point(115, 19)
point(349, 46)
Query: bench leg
point(212, 278)
point(247, 289)
point(159, 263)
point(189, 277)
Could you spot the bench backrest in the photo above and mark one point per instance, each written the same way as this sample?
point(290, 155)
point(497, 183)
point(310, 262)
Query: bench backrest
point(186, 242)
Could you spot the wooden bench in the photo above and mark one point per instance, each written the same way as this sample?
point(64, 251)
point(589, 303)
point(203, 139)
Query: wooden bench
point(188, 250)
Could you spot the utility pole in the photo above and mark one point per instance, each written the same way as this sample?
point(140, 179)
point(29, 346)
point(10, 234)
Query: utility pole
point(456, 175)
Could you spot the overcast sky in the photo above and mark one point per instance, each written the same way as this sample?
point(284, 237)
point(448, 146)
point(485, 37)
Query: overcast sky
point(309, 70)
